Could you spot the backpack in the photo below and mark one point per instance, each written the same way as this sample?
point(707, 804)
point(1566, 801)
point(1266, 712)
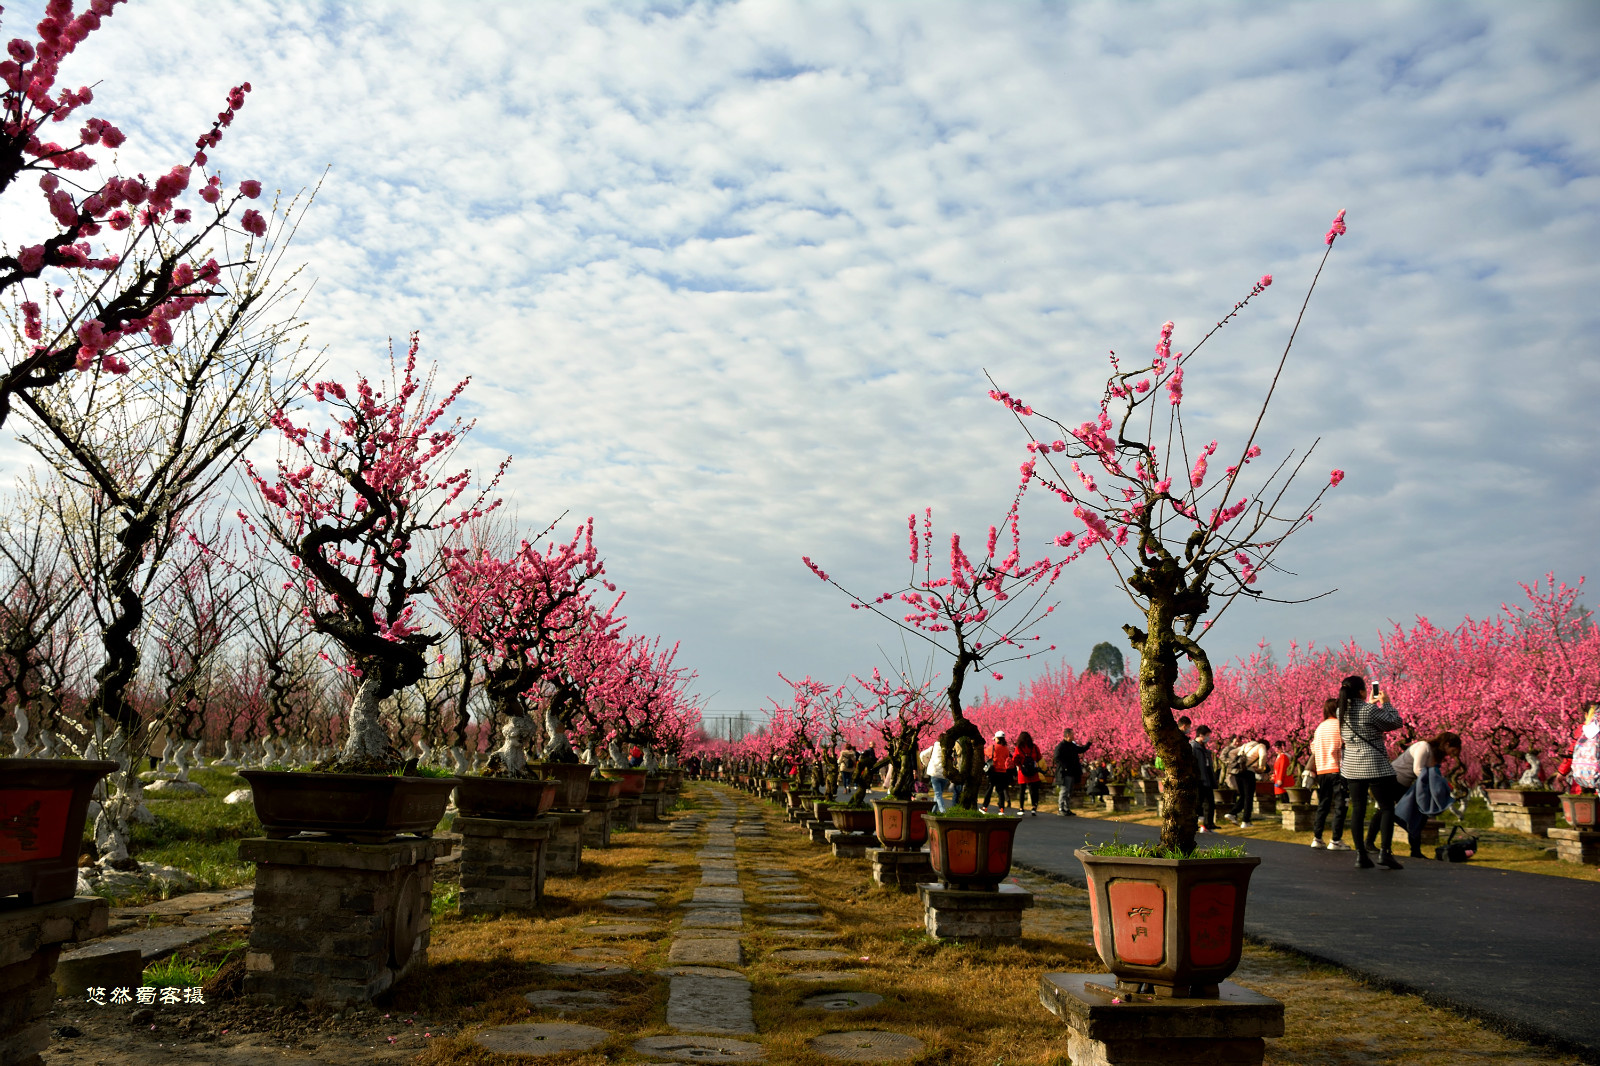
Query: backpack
point(1453, 850)
point(1027, 766)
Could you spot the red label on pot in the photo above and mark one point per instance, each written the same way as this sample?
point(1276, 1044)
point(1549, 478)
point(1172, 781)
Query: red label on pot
point(963, 845)
point(32, 823)
point(1094, 913)
point(999, 852)
point(894, 824)
point(933, 852)
point(1211, 923)
point(1138, 921)
point(919, 828)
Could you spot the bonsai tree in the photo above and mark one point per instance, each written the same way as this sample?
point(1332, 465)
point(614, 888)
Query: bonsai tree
point(349, 506)
point(1182, 544)
point(959, 614)
point(832, 711)
point(901, 711)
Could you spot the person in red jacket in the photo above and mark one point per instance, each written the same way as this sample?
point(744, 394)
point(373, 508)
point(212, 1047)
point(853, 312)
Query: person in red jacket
point(1026, 759)
point(1282, 774)
point(1001, 761)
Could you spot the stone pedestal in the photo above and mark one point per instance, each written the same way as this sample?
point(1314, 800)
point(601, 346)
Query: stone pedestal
point(1150, 797)
point(502, 863)
point(1577, 845)
point(1430, 833)
point(850, 845)
point(950, 913)
point(820, 831)
point(337, 923)
point(1534, 820)
point(1267, 802)
point(1144, 1030)
point(793, 814)
point(1297, 817)
point(1118, 804)
point(30, 944)
point(627, 813)
point(904, 870)
point(597, 823)
point(565, 850)
point(650, 807)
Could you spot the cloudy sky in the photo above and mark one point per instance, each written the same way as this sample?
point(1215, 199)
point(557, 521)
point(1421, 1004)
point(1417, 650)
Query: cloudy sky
point(727, 276)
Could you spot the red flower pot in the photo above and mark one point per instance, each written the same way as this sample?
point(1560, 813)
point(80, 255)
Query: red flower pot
point(511, 798)
point(43, 804)
point(602, 790)
point(901, 824)
point(572, 790)
point(1175, 924)
point(632, 782)
point(365, 808)
point(970, 853)
point(854, 819)
point(1581, 811)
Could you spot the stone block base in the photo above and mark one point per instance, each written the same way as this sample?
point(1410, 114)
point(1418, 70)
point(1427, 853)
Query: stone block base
point(904, 870)
point(950, 913)
point(850, 845)
point(650, 807)
point(30, 944)
point(1145, 1030)
point(1534, 820)
point(502, 863)
point(1118, 804)
point(1267, 805)
point(1297, 818)
point(794, 814)
point(626, 816)
point(820, 831)
point(565, 850)
point(337, 923)
point(597, 824)
point(1151, 799)
point(1577, 845)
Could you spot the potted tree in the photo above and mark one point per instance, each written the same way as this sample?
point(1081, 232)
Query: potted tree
point(1183, 565)
point(349, 507)
point(903, 712)
point(960, 616)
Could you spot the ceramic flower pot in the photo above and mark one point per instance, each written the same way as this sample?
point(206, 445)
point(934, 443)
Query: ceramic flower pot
point(971, 852)
point(1524, 797)
point(1298, 797)
point(1174, 924)
point(43, 805)
point(510, 798)
point(854, 819)
point(902, 824)
point(1581, 811)
point(603, 790)
point(365, 808)
point(573, 791)
point(823, 810)
point(632, 782)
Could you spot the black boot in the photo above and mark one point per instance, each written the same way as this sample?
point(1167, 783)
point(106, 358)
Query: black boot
point(1387, 859)
point(1363, 860)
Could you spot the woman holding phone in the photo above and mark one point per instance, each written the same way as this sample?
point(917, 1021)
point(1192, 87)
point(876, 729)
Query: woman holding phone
point(1365, 766)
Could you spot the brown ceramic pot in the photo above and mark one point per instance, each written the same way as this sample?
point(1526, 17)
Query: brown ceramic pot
point(1581, 811)
point(365, 808)
point(603, 790)
point(854, 819)
point(902, 824)
point(572, 792)
point(971, 853)
point(511, 798)
point(1174, 924)
point(1524, 797)
point(43, 805)
point(632, 781)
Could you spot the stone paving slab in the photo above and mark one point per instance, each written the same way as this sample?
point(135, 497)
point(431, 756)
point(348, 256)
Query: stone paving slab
point(720, 877)
point(714, 894)
point(562, 1001)
point(699, 1049)
point(713, 918)
point(707, 951)
point(188, 903)
point(225, 918)
point(807, 955)
point(867, 1045)
point(151, 944)
point(617, 930)
point(786, 907)
point(842, 1001)
point(715, 1005)
point(825, 977)
point(542, 1038)
point(792, 919)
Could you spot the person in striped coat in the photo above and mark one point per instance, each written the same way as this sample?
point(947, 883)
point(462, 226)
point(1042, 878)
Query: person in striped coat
point(1365, 766)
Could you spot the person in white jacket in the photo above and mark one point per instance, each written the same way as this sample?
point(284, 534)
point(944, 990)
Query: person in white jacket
point(932, 760)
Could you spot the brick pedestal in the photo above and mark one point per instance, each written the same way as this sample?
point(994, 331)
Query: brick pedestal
point(597, 824)
point(337, 923)
point(904, 870)
point(850, 845)
point(565, 850)
point(1150, 797)
point(30, 943)
point(1577, 845)
point(1118, 804)
point(1144, 1030)
point(1297, 817)
point(950, 913)
point(1534, 820)
point(1267, 804)
point(626, 816)
point(502, 863)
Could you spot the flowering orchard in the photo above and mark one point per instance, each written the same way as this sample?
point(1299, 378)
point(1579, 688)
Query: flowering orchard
point(1509, 685)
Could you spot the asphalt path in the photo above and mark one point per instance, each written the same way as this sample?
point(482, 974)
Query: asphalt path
point(1521, 951)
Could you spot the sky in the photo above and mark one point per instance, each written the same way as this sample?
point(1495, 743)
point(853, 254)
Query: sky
point(729, 276)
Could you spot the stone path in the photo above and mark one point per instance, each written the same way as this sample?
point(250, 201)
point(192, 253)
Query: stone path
point(198, 914)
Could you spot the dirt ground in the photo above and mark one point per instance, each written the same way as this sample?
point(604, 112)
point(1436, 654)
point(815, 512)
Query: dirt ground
point(971, 1004)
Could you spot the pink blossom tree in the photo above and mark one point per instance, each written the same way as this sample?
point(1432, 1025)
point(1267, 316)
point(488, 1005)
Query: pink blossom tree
point(127, 293)
point(960, 615)
point(1182, 542)
point(350, 506)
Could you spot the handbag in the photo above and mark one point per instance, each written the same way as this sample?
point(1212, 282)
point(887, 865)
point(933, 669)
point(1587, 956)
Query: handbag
point(1453, 850)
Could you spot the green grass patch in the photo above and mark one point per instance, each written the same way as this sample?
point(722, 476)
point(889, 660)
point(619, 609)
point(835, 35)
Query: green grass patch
point(1118, 850)
point(446, 898)
point(199, 834)
point(968, 812)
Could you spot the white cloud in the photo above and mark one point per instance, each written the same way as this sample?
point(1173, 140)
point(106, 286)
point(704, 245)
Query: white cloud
point(725, 275)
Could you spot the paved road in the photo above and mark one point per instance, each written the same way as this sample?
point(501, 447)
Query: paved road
point(1519, 950)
